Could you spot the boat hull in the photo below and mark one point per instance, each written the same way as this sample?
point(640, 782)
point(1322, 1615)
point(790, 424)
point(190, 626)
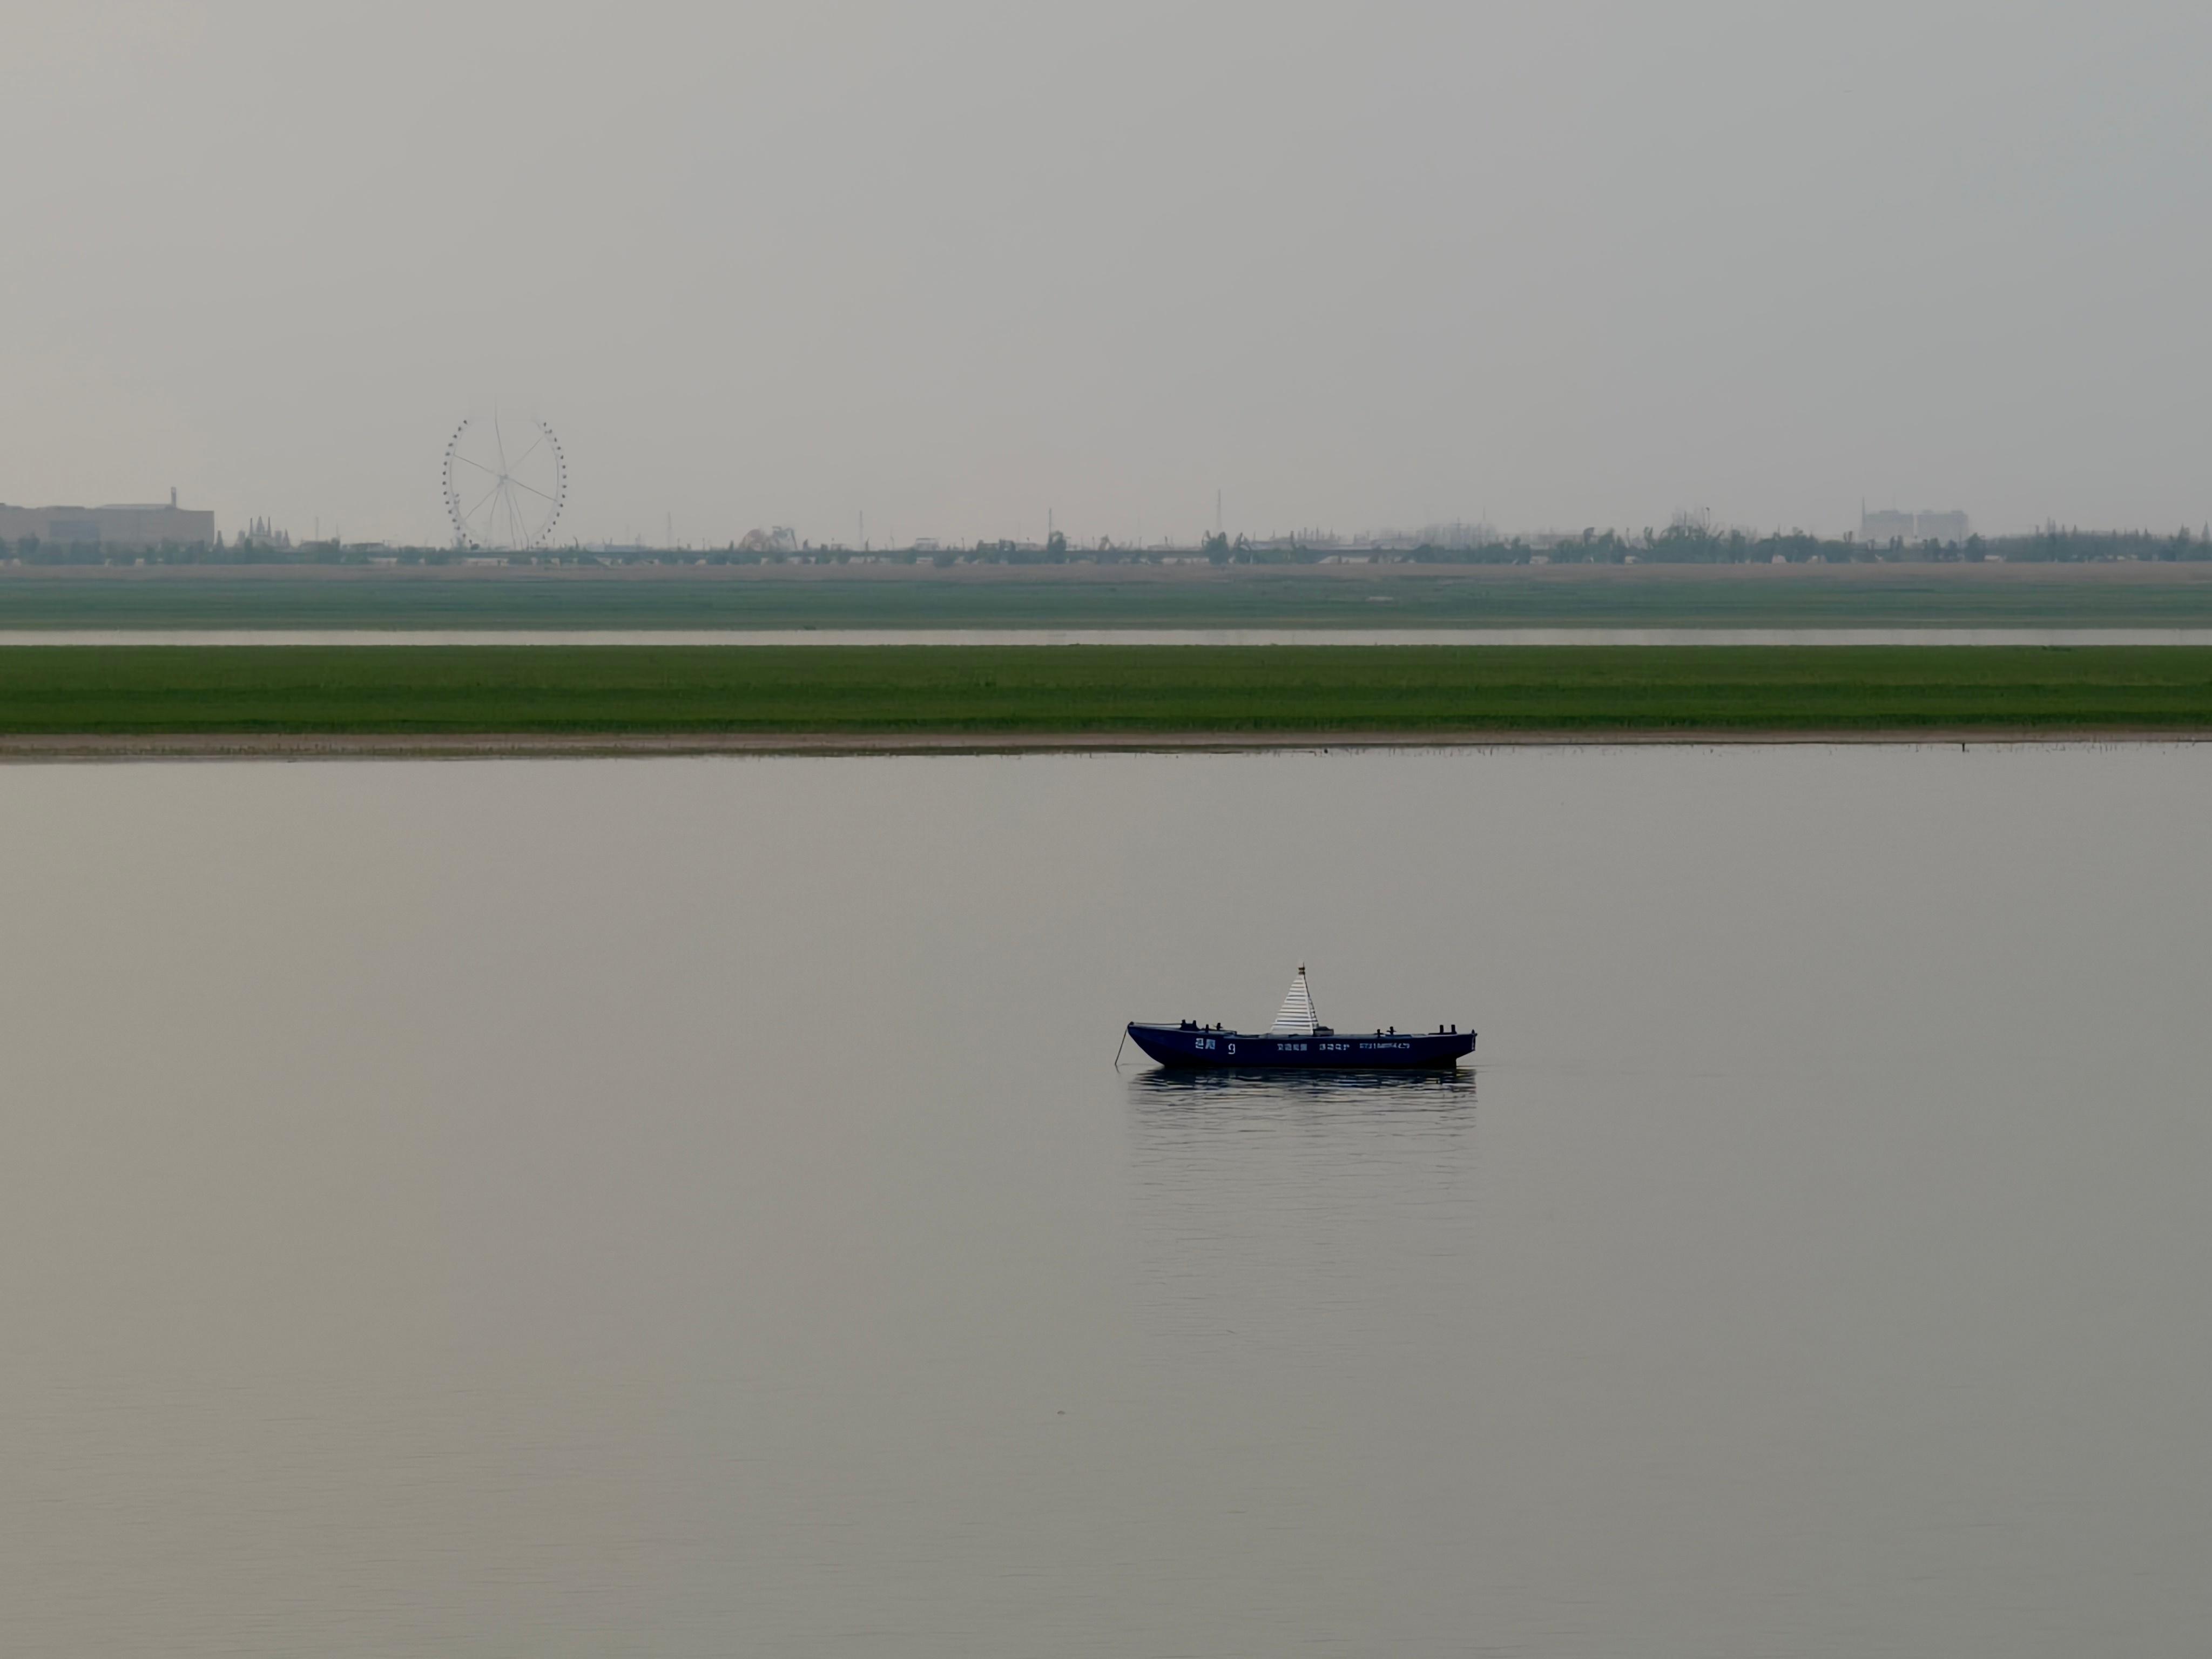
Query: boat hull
point(1187, 1048)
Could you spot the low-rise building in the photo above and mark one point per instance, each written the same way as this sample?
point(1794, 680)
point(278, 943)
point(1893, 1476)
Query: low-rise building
point(125, 525)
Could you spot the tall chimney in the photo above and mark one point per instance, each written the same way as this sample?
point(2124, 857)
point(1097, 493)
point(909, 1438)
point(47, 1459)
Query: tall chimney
point(173, 498)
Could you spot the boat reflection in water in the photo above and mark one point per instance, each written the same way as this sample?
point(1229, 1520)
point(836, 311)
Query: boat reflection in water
point(1363, 1110)
point(1412, 1091)
point(1347, 1120)
point(1294, 1197)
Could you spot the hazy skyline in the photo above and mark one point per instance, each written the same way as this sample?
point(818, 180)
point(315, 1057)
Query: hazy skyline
point(957, 264)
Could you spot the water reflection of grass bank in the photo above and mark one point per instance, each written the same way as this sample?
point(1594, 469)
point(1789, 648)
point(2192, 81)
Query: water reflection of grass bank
point(1362, 597)
point(1161, 689)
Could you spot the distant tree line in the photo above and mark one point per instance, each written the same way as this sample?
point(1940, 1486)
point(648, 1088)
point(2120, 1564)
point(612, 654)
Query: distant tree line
point(1686, 541)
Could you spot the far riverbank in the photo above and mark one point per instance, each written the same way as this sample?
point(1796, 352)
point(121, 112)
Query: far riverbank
point(1383, 597)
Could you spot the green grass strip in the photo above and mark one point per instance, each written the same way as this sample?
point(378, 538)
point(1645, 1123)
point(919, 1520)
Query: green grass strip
point(908, 689)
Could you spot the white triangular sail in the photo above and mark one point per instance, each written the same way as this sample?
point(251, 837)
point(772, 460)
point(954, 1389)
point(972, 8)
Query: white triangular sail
point(1297, 1019)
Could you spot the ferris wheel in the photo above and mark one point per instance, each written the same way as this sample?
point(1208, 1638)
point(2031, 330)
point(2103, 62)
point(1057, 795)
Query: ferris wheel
point(501, 492)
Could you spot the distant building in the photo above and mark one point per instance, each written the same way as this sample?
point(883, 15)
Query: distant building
point(1890, 525)
point(116, 527)
point(1456, 535)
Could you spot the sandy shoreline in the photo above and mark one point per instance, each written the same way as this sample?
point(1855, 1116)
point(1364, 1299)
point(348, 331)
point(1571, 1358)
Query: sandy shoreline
point(280, 746)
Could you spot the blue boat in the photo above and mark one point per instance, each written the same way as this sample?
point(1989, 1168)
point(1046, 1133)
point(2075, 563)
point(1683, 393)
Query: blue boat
point(1296, 1040)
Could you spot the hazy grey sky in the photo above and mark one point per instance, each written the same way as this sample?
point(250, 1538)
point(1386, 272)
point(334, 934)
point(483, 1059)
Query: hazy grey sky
point(954, 263)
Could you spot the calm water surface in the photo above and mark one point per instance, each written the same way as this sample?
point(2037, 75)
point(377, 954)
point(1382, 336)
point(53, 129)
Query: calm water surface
point(690, 1207)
